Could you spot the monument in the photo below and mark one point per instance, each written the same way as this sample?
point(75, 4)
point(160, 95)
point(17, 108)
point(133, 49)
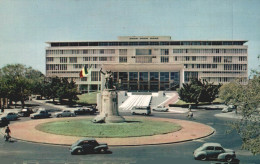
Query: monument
point(109, 107)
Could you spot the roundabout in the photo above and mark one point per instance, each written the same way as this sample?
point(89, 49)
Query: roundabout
point(185, 131)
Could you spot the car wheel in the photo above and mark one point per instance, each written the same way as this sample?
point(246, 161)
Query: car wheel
point(78, 151)
point(203, 157)
point(59, 115)
point(133, 113)
point(228, 158)
point(102, 150)
point(71, 115)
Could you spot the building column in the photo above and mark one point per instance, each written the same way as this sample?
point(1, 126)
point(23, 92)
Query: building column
point(181, 77)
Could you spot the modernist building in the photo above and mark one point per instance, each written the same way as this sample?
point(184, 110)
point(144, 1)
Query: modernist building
point(149, 62)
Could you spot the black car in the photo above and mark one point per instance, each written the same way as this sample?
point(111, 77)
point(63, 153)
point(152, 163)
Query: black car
point(25, 112)
point(3, 122)
point(88, 145)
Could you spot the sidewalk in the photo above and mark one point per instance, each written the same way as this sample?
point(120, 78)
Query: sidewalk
point(26, 131)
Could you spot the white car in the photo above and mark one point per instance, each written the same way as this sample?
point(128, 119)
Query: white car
point(11, 116)
point(227, 109)
point(65, 113)
point(160, 109)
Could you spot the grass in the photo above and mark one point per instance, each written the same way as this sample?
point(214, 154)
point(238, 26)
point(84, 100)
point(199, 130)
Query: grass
point(134, 127)
point(88, 98)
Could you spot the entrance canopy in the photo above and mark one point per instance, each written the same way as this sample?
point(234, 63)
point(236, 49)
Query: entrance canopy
point(143, 67)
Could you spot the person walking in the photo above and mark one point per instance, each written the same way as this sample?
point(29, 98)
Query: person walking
point(190, 113)
point(7, 131)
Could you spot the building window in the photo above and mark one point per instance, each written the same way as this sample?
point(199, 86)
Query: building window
point(227, 59)
point(95, 58)
point(143, 59)
point(143, 52)
point(63, 59)
point(102, 58)
point(216, 59)
point(122, 59)
point(164, 59)
point(190, 75)
point(123, 52)
point(94, 75)
point(49, 59)
point(242, 58)
point(193, 58)
point(164, 51)
point(73, 59)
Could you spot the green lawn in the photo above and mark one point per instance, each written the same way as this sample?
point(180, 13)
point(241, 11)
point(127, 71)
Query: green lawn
point(88, 98)
point(85, 128)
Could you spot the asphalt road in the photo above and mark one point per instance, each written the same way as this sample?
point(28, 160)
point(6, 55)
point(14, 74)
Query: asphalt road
point(181, 153)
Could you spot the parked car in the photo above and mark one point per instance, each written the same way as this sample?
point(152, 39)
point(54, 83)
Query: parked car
point(85, 110)
point(214, 151)
point(41, 113)
point(88, 145)
point(25, 112)
point(3, 122)
point(145, 110)
point(10, 116)
point(160, 109)
point(227, 109)
point(65, 113)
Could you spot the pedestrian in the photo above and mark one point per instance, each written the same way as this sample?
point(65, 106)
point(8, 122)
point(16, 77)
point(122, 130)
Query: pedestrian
point(2, 109)
point(190, 113)
point(7, 131)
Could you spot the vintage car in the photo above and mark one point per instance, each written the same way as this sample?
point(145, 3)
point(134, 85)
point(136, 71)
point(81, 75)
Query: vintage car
point(10, 116)
point(145, 110)
point(85, 110)
point(214, 151)
point(41, 113)
point(65, 113)
point(160, 109)
point(25, 112)
point(88, 145)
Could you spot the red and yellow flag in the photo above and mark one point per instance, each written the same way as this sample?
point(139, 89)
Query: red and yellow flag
point(83, 72)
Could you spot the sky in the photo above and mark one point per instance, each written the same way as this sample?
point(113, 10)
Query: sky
point(25, 25)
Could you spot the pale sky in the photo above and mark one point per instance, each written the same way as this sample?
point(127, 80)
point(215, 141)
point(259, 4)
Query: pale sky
point(25, 25)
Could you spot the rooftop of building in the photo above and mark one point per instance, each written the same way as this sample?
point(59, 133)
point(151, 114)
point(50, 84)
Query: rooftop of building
point(144, 41)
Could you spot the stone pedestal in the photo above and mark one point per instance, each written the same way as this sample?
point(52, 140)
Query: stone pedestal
point(109, 107)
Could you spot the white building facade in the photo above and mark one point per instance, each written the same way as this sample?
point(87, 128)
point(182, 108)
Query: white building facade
point(148, 63)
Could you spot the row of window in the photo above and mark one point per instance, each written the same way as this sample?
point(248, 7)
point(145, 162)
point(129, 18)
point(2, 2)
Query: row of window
point(200, 66)
point(85, 51)
point(235, 67)
point(75, 66)
point(56, 66)
point(209, 51)
point(147, 51)
point(148, 59)
point(144, 43)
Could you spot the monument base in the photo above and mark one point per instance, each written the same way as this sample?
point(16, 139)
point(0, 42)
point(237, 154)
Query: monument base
point(114, 119)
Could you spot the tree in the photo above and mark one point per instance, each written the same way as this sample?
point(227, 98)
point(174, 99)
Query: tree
point(198, 91)
point(61, 88)
point(52, 87)
point(17, 81)
point(68, 90)
point(247, 99)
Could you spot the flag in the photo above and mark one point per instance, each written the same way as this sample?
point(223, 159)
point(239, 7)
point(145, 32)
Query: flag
point(83, 72)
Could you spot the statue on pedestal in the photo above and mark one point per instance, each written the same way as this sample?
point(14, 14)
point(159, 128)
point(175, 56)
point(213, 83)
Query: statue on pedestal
point(109, 79)
point(109, 106)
